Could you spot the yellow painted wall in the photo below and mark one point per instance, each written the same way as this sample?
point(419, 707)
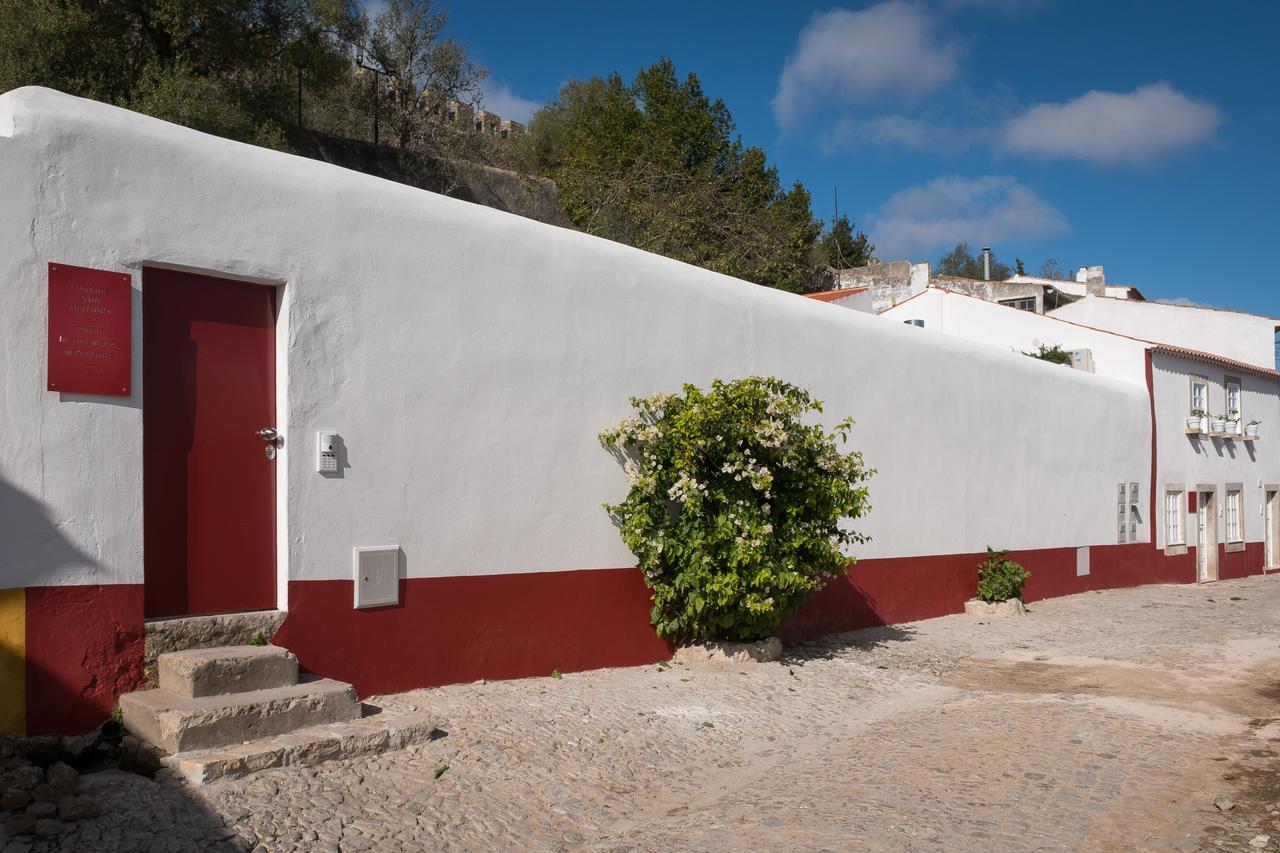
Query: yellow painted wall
point(13, 661)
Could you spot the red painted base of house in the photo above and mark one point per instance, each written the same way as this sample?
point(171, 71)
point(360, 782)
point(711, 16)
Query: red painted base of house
point(1239, 564)
point(906, 589)
point(84, 643)
point(455, 629)
point(84, 649)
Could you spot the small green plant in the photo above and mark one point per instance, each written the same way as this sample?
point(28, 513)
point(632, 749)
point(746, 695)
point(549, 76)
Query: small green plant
point(257, 640)
point(999, 578)
point(1199, 413)
point(555, 673)
point(118, 715)
point(1254, 422)
point(736, 504)
point(1055, 354)
point(440, 771)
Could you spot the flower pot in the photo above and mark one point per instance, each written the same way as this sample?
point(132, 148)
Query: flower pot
point(1233, 427)
point(1193, 424)
point(1217, 426)
point(1251, 430)
point(1008, 607)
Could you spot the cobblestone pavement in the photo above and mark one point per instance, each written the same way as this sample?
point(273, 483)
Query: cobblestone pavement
point(1103, 721)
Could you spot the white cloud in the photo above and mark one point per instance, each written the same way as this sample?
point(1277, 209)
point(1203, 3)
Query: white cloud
point(1114, 127)
point(498, 98)
point(897, 131)
point(890, 49)
point(941, 213)
point(1185, 301)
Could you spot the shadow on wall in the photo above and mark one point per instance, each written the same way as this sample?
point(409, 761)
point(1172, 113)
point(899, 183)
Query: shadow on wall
point(82, 644)
point(31, 545)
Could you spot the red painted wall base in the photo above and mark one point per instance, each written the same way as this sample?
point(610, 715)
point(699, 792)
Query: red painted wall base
point(450, 630)
point(906, 589)
point(85, 643)
point(84, 649)
point(1239, 564)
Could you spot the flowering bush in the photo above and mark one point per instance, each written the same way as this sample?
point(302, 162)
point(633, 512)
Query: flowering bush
point(735, 504)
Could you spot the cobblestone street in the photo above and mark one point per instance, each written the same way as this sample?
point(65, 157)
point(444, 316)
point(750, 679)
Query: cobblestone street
point(1102, 721)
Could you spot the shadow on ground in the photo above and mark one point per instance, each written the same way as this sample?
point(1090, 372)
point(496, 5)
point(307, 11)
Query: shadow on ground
point(837, 645)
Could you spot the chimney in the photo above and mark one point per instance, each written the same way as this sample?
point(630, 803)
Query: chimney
point(1094, 280)
point(986, 263)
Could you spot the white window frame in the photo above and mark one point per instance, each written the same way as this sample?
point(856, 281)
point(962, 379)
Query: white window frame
point(1203, 383)
point(1234, 514)
point(1175, 520)
point(1236, 412)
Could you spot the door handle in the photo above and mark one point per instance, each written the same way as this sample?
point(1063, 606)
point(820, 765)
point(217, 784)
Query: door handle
point(268, 434)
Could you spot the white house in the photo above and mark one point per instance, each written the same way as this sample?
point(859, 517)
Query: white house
point(316, 391)
point(960, 315)
point(1244, 337)
point(1215, 486)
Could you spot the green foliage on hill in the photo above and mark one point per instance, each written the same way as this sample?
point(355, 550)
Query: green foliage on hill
point(228, 67)
point(843, 246)
point(656, 164)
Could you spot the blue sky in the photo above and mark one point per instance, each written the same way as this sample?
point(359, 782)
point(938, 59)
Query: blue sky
point(1136, 135)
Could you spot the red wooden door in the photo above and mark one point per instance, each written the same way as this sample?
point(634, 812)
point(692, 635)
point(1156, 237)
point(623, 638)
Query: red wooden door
point(208, 386)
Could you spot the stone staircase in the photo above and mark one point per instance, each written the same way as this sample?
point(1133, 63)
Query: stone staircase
point(229, 711)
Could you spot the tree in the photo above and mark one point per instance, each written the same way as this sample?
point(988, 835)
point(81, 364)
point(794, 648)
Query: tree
point(843, 247)
point(1018, 268)
point(1051, 269)
point(961, 262)
point(230, 67)
point(655, 164)
point(408, 45)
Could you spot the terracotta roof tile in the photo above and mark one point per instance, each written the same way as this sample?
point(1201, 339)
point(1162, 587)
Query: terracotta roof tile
point(833, 295)
point(1199, 355)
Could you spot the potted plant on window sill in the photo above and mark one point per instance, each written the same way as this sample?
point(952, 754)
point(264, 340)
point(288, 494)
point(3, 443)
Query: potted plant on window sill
point(1196, 422)
point(1218, 425)
point(1251, 429)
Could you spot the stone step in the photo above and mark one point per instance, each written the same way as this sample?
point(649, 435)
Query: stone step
point(179, 724)
point(174, 634)
point(231, 669)
point(306, 747)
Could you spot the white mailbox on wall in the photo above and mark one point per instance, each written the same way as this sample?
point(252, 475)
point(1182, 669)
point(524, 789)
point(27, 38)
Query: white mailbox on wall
point(377, 575)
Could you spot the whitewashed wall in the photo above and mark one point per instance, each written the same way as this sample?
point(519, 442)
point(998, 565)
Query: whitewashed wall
point(1117, 356)
point(1245, 337)
point(1188, 461)
point(469, 357)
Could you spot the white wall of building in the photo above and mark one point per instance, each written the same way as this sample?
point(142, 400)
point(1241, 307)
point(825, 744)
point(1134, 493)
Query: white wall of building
point(1011, 329)
point(1190, 461)
point(858, 300)
point(1245, 337)
point(468, 359)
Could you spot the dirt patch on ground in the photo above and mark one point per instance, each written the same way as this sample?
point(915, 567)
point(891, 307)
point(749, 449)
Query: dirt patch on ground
point(1248, 694)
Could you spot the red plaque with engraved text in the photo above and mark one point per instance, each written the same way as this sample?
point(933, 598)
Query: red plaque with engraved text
point(89, 327)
